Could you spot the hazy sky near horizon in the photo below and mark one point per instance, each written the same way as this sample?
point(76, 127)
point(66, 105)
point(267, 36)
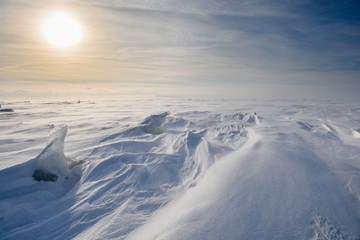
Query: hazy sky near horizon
point(189, 48)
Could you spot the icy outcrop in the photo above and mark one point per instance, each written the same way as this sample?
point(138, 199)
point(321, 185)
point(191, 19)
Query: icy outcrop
point(152, 124)
point(52, 161)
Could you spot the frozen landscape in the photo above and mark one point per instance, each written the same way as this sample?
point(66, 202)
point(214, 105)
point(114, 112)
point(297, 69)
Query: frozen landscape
point(180, 169)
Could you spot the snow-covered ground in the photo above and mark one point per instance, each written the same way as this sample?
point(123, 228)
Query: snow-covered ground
point(181, 169)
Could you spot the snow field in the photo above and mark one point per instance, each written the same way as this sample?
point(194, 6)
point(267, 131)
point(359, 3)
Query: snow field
point(181, 169)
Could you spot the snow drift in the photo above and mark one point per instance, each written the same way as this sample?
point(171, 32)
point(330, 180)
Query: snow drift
point(267, 190)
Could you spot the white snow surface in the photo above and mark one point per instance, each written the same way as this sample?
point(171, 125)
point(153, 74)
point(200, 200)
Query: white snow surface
point(181, 169)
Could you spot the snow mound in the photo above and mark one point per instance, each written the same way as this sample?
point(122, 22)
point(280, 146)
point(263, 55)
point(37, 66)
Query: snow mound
point(251, 118)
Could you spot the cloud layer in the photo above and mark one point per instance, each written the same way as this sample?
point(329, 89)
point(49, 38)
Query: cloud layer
point(164, 45)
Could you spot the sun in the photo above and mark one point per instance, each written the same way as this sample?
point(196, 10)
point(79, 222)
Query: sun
point(61, 30)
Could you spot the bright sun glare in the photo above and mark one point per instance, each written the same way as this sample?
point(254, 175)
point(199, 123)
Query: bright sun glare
point(61, 30)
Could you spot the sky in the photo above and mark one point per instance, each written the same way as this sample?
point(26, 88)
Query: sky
point(188, 48)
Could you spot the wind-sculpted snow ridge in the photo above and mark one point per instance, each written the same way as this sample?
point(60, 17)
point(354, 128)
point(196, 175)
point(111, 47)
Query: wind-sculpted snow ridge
point(165, 155)
point(272, 188)
point(131, 174)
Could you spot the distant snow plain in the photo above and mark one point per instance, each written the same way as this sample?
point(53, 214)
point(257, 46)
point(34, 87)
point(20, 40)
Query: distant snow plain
point(181, 169)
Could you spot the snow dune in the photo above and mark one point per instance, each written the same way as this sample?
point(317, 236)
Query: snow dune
point(181, 169)
point(273, 189)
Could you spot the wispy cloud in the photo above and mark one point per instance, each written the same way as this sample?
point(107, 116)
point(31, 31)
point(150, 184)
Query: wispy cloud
point(194, 43)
